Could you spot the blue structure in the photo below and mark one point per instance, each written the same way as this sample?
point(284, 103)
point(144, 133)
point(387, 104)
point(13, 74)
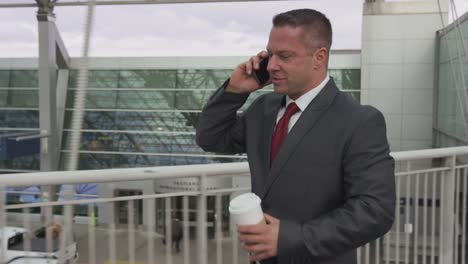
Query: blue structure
point(11, 148)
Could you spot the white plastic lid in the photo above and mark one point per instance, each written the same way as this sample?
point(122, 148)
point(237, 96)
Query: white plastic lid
point(244, 202)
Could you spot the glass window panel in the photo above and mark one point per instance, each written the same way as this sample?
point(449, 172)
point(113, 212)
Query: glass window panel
point(72, 78)
point(95, 99)
point(148, 79)
point(192, 100)
point(96, 79)
point(253, 97)
point(3, 98)
point(19, 118)
point(346, 79)
point(335, 74)
point(159, 100)
point(140, 121)
point(451, 107)
point(351, 79)
point(202, 79)
point(93, 141)
point(31, 162)
point(133, 142)
point(186, 121)
point(103, 79)
point(147, 121)
point(18, 98)
point(148, 100)
point(93, 120)
point(4, 78)
point(24, 78)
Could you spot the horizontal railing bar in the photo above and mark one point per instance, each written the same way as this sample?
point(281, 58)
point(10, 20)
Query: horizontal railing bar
point(429, 153)
point(20, 129)
point(160, 154)
point(145, 110)
point(134, 110)
point(39, 193)
point(152, 173)
point(150, 132)
point(147, 89)
point(13, 170)
point(123, 198)
point(19, 88)
point(124, 174)
point(227, 190)
point(101, 200)
point(19, 108)
point(409, 173)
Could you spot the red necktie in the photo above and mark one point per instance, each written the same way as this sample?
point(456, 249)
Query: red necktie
point(282, 129)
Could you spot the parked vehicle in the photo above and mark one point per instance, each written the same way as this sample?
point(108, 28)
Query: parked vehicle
point(37, 254)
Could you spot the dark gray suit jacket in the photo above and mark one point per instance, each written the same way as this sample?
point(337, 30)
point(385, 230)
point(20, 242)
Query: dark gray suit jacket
point(332, 183)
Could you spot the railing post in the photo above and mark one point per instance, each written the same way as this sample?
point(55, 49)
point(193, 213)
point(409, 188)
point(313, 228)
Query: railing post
point(448, 232)
point(168, 229)
point(186, 232)
point(202, 241)
point(2, 223)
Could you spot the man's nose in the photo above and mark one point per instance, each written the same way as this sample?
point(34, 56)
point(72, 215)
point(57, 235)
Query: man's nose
point(273, 64)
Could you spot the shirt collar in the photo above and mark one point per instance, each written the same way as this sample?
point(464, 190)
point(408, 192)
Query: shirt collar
point(304, 100)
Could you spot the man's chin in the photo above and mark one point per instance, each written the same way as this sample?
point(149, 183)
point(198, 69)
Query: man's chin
point(280, 89)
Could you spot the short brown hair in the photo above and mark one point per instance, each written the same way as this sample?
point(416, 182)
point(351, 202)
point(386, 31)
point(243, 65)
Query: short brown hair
point(315, 24)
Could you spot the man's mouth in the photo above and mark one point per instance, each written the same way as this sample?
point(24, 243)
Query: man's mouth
point(277, 79)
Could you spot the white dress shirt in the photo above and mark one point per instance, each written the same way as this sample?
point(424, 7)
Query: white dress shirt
point(302, 102)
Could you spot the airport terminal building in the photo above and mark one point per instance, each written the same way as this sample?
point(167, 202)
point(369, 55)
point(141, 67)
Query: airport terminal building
point(142, 112)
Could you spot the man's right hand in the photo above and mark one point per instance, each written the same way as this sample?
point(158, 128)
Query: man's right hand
point(242, 79)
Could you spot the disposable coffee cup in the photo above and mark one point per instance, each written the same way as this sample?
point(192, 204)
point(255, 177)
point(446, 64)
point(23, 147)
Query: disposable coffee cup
point(246, 209)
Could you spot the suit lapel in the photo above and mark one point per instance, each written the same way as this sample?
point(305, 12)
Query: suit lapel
point(307, 120)
point(270, 113)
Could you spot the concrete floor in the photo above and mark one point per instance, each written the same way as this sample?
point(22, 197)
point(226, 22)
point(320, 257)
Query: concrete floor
point(81, 235)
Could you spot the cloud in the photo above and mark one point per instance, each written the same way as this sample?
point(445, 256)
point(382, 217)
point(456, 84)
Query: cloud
point(240, 28)
point(18, 28)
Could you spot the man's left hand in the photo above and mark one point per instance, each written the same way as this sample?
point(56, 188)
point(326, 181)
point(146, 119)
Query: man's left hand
point(260, 240)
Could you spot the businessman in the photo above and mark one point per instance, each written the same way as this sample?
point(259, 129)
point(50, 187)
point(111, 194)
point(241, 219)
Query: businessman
point(318, 159)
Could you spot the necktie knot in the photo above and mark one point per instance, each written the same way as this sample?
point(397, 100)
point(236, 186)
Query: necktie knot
point(291, 110)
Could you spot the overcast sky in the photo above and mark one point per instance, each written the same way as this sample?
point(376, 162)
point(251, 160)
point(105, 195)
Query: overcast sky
point(210, 29)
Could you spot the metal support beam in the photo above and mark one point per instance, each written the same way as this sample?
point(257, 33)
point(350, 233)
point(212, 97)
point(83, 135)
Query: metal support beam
point(202, 237)
point(129, 2)
point(62, 88)
point(62, 57)
point(448, 234)
point(47, 72)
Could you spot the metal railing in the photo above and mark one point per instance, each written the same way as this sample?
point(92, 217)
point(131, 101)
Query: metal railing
point(430, 225)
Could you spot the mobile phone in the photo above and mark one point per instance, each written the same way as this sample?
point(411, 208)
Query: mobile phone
point(261, 75)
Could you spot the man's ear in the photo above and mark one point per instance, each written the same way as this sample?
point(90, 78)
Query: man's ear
point(320, 57)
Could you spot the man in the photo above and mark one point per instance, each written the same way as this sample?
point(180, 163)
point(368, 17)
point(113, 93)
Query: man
point(176, 233)
point(327, 187)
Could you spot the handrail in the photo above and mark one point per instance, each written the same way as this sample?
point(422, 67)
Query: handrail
point(152, 173)
point(116, 175)
point(429, 153)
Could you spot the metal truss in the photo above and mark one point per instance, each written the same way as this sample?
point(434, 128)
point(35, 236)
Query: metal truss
point(53, 3)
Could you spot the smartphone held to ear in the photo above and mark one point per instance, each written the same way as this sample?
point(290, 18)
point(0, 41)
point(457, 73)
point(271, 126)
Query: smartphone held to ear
point(261, 75)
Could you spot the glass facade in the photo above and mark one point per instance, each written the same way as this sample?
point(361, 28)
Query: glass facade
point(452, 91)
point(19, 112)
point(133, 118)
